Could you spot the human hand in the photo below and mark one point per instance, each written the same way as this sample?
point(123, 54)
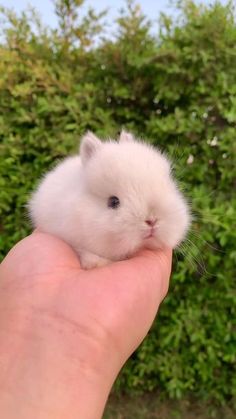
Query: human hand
point(65, 333)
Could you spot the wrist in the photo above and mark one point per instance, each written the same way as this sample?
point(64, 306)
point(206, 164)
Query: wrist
point(50, 367)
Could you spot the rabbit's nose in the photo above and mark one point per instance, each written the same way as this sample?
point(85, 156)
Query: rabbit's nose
point(151, 222)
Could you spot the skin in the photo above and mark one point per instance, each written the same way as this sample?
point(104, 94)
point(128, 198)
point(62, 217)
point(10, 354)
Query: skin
point(65, 333)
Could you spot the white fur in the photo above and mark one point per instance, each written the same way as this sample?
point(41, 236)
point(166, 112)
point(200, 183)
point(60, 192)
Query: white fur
point(71, 201)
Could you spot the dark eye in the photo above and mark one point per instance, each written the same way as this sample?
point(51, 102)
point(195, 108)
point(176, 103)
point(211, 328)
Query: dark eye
point(113, 202)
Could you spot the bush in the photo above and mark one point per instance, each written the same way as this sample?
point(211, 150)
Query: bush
point(177, 88)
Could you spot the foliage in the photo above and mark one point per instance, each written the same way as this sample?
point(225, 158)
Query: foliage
point(176, 87)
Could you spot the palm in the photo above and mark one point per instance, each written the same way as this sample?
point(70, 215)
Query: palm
point(115, 304)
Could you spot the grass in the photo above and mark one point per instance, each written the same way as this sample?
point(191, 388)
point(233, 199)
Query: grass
point(150, 407)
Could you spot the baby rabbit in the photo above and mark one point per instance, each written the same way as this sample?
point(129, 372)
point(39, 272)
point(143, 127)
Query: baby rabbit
point(112, 200)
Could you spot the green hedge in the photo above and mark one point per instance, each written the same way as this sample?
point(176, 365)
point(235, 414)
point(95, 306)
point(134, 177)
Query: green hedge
point(176, 86)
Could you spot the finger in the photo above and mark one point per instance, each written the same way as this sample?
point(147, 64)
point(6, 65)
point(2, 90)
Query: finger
point(152, 266)
point(141, 280)
point(128, 294)
point(39, 254)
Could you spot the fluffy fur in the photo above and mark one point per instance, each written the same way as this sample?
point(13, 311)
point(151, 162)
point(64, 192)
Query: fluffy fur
point(71, 201)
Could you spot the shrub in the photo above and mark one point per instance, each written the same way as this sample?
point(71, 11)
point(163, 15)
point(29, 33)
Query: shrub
point(177, 88)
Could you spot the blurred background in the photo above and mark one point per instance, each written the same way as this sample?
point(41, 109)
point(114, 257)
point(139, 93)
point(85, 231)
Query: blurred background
point(167, 72)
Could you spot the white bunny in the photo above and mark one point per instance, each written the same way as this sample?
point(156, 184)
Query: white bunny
point(112, 200)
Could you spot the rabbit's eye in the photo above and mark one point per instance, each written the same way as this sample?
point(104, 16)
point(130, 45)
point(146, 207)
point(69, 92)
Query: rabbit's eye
point(113, 202)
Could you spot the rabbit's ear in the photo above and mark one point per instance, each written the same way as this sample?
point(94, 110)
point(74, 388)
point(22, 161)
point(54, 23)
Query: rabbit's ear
point(126, 137)
point(89, 145)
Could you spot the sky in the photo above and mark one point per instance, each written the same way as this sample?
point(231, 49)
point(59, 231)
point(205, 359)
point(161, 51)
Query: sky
point(45, 7)
point(151, 8)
